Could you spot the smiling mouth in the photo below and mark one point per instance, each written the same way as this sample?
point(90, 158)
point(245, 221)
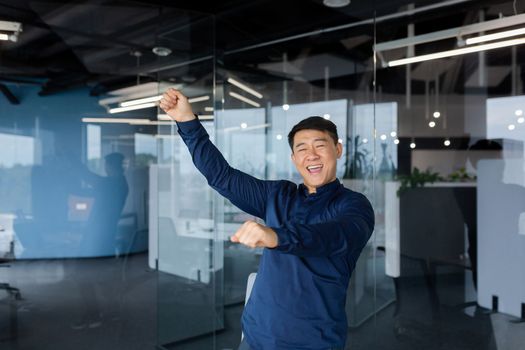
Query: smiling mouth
point(314, 169)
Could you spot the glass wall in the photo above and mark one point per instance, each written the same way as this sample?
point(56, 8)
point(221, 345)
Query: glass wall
point(73, 223)
point(434, 144)
point(85, 186)
point(265, 91)
point(185, 246)
point(454, 210)
point(111, 239)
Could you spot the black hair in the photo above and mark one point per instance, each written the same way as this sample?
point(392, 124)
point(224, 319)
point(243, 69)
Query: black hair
point(314, 123)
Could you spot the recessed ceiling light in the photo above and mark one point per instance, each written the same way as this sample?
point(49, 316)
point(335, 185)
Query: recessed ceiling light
point(396, 141)
point(432, 124)
point(286, 106)
point(336, 3)
point(161, 51)
point(413, 145)
point(436, 114)
point(447, 142)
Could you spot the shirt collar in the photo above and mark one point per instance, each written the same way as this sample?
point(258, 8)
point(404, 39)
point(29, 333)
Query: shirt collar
point(327, 188)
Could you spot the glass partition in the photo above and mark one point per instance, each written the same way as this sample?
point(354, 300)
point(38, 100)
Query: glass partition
point(187, 250)
point(73, 224)
point(82, 179)
point(111, 239)
point(265, 91)
point(453, 211)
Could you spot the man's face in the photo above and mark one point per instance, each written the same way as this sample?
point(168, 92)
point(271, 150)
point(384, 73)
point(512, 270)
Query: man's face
point(315, 156)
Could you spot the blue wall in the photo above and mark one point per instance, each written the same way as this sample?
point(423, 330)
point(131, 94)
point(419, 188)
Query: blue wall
point(51, 203)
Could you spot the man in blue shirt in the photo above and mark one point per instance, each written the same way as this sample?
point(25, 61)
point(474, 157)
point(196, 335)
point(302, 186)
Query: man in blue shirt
point(313, 234)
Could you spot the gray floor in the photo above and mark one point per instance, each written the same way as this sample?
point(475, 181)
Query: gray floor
point(82, 304)
point(113, 303)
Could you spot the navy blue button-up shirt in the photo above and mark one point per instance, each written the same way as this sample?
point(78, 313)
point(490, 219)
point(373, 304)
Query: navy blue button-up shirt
point(298, 299)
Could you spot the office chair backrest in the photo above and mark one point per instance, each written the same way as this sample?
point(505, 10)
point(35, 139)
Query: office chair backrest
point(249, 287)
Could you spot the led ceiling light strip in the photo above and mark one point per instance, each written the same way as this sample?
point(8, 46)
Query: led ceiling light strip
point(244, 99)
point(167, 117)
point(4, 37)
point(151, 122)
point(456, 52)
point(199, 99)
point(147, 100)
point(495, 36)
point(140, 101)
point(246, 127)
point(244, 87)
point(206, 117)
point(132, 108)
point(113, 120)
point(457, 32)
point(259, 126)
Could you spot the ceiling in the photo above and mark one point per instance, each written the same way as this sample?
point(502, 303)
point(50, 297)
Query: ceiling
point(106, 45)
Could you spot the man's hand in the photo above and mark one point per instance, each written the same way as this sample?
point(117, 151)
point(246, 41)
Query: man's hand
point(253, 235)
point(176, 105)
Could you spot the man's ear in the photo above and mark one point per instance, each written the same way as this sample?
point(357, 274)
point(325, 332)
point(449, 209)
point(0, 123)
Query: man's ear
point(339, 147)
point(292, 156)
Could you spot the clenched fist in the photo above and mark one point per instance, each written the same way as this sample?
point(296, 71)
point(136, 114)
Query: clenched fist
point(176, 105)
point(253, 235)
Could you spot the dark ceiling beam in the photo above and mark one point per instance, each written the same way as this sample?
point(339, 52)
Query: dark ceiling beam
point(203, 7)
point(55, 88)
point(109, 83)
point(165, 17)
point(9, 95)
point(452, 80)
point(97, 37)
point(18, 81)
point(291, 38)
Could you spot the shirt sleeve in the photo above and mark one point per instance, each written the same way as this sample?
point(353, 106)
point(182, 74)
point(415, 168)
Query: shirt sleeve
point(346, 233)
point(244, 191)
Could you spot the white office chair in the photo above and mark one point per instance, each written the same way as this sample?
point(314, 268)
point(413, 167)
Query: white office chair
point(249, 287)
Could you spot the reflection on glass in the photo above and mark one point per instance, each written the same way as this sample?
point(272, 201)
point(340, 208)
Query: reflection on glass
point(245, 149)
point(185, 243)
point(16, 161)
point(72, 221)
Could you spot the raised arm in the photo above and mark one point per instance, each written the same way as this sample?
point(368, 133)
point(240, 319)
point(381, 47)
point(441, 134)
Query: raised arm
point(243, 190)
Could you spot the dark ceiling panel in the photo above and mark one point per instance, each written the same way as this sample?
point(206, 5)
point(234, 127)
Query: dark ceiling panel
point(107, 43)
